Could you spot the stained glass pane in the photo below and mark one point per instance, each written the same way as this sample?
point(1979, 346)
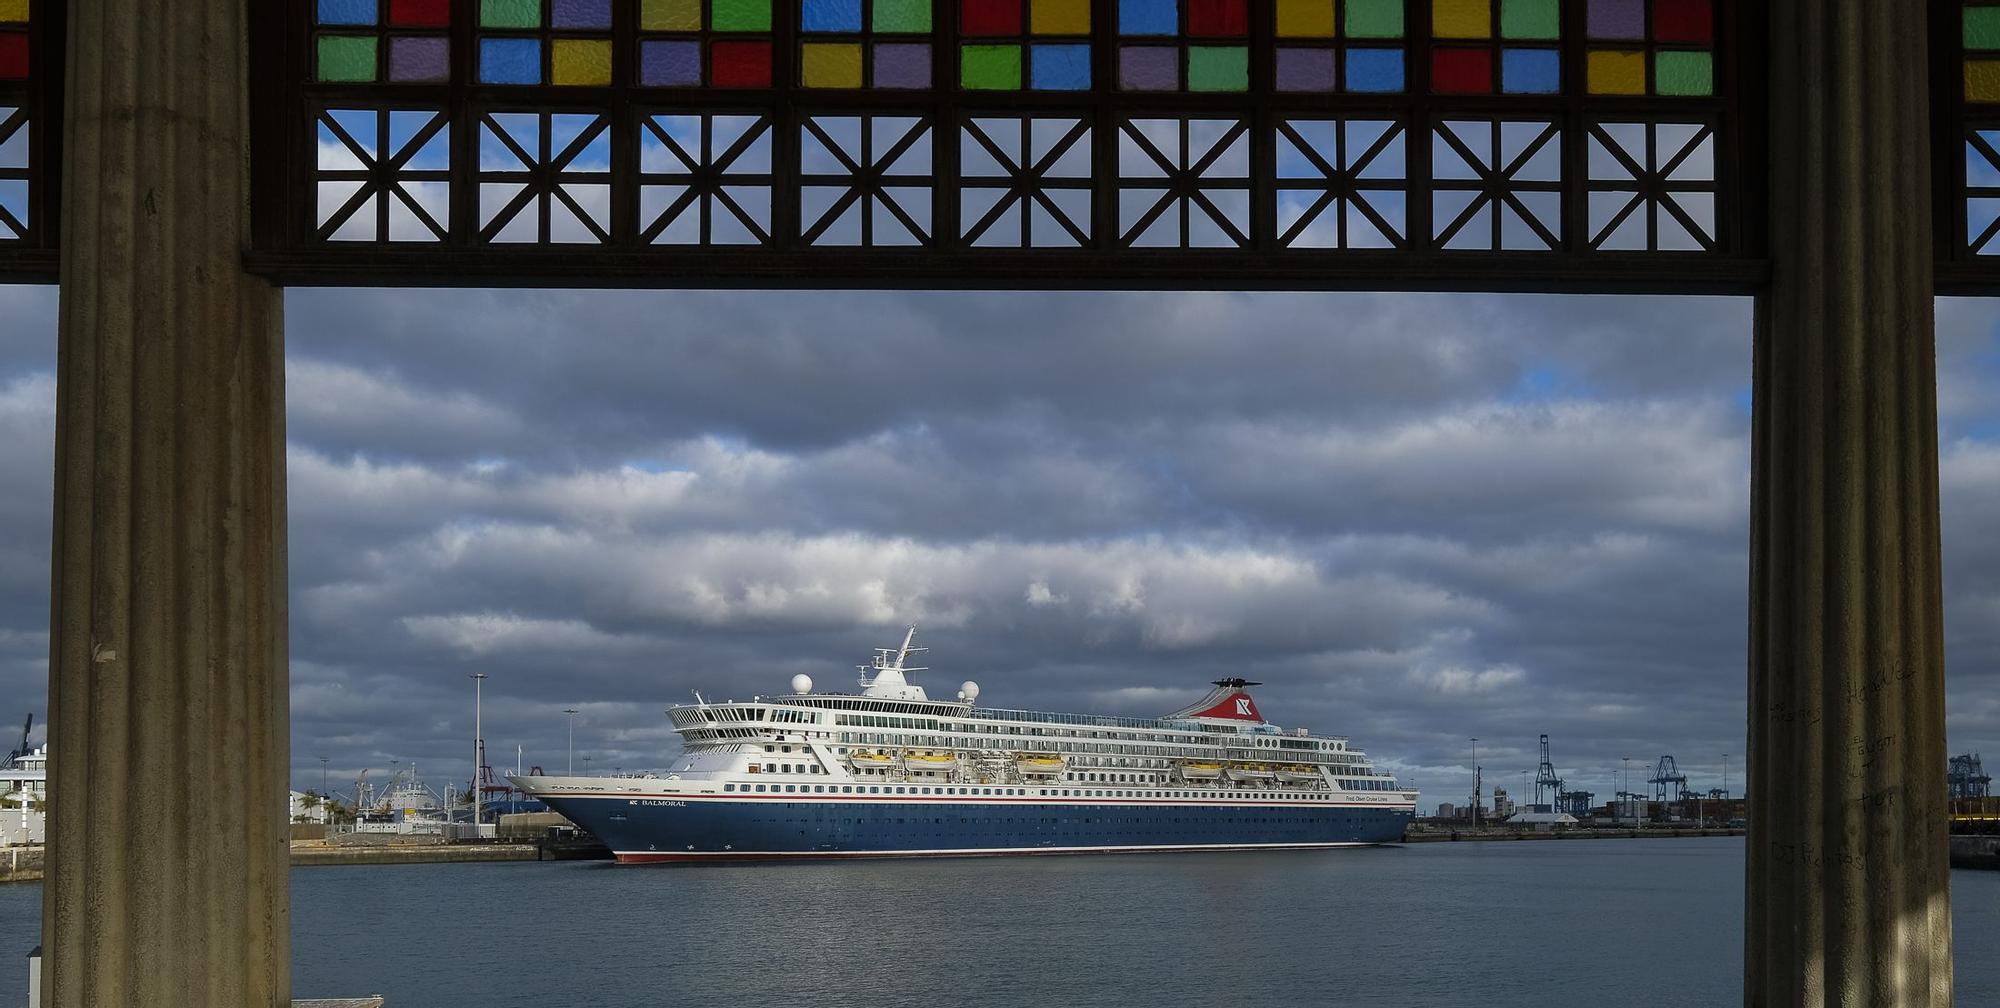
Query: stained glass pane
point(1060, 17)
point(13, 55)
point(741, 15)
point(1375, 18)
point(581, 62)
point(510, 13)
point(344, 58)
point(1684, 73)
point(991, 67)
point(1305, 18)
point(1530, 19)
point(1218, 68)
point(13, 11)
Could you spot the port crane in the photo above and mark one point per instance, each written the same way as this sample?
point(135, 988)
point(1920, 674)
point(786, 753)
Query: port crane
point(1669, 784)
point(21, 750)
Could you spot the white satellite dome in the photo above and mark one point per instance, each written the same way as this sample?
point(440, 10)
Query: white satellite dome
point(968, 691)
point(802, 683)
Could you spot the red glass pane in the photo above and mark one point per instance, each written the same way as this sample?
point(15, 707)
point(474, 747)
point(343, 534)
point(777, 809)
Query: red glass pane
point(13, 56)
point(1218, 17)
point(1462, 71)
point(740, 64)
point(1683, 21)
point(420, 13)
point(989, 17)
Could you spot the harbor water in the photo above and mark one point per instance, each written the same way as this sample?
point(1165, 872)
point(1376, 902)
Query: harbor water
point(1493, 925)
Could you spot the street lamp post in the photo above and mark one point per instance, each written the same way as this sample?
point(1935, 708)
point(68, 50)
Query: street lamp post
point(325, 814)
point(1524, 790)
point(1725, 776)
point(478, 733)
point(571, 711)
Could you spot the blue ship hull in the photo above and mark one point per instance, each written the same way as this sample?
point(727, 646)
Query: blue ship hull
point(705, 829)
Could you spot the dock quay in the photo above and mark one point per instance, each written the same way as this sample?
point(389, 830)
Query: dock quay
point(1646, 833)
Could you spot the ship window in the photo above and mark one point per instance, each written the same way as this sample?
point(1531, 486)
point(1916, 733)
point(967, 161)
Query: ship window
point(769, 749)
point(728, 787)
point(760, 787)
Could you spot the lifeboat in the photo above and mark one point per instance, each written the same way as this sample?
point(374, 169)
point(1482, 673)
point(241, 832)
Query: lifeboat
point(1252, 772)
point(1300, 774)
point(866, 760)
point(1197, 770)
point(1040, 764)
point(929, 761)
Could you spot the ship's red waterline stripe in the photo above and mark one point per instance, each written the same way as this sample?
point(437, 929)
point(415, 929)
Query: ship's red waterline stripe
point(662, 857)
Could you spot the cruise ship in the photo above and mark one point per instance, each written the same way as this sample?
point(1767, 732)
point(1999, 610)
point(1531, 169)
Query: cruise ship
point(890, 772)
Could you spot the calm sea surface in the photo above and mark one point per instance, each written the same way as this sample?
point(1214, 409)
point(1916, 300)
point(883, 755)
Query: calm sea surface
point(1653, 922)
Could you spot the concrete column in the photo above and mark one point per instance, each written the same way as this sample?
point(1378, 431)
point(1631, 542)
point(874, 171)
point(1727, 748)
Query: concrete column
point(167, 686)
point(1848, 890)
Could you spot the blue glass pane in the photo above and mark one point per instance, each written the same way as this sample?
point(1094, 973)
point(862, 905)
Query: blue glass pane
point(1530, 71)
point(1060, 68)
point(349, 12)
point(1375, 70)
point(1149, 17)
point(510, 61)
point(830, 15)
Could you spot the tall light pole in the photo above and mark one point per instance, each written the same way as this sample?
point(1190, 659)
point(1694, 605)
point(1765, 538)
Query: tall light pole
point(1625, 789)
point(478, 735)
point(1475, 782)
point(571, 711)
point(1524, 790)
point(1725, 777)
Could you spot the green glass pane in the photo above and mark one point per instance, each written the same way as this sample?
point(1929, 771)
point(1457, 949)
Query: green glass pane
point(510, 13)
point(1982, 28)
point(346, 57)
point(1684, 73)
point(990, 67)
point(1375, 18)
point(902, 15)
point(1218, 68)
point(740, 15)
point(1530, 19)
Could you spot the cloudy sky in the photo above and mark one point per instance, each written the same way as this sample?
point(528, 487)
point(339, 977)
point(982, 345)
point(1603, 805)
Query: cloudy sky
point(1418, 519)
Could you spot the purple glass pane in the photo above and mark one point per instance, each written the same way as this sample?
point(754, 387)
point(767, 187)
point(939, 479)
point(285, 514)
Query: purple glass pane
point(1618, 19)
point(1305, 69)
point(670, 64)
point(902, 65)
point(1149, 68)
point(418, 58)
point(581, 14)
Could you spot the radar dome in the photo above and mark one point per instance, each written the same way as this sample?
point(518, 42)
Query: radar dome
point(802, 683)
point(969, 690)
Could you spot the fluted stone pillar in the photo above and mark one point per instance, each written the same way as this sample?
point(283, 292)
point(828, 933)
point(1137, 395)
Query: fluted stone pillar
point(166, 877)
point(1848, 889)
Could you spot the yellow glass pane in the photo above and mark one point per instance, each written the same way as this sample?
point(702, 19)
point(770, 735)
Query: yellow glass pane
point(1305, 18)
point(1982, 80)
point(12, 11)
point(670, 15)
point(830, 65)
point(1462, 18)
point(1617, 73)
point(585, 62)
point(1059, 17)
